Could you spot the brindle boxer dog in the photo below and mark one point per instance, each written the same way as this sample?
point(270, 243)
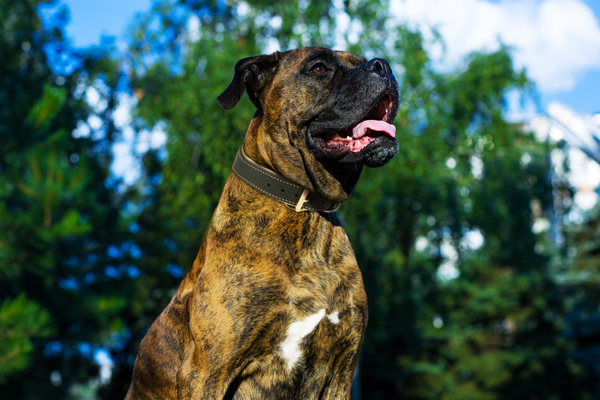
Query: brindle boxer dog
point(274, 306)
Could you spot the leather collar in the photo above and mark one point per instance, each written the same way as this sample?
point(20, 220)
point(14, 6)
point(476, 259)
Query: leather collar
point(276, 186)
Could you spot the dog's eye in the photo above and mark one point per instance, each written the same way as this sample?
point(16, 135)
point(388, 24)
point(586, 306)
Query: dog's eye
point(319, 68)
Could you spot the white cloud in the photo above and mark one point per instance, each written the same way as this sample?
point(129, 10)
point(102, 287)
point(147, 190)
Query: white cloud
point(556, 40)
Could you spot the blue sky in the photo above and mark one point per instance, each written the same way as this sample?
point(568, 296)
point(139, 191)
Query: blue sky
point(558, 41)
point(90, 19)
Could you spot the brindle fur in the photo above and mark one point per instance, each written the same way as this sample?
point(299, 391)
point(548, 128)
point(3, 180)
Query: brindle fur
point(263, 266)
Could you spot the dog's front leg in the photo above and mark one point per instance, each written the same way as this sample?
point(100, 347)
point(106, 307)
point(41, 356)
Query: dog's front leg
point(196, 381)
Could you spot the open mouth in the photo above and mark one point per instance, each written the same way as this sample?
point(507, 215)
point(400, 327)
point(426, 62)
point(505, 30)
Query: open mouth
point(355, 138)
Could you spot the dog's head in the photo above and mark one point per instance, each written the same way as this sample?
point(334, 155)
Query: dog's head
point(334, 108)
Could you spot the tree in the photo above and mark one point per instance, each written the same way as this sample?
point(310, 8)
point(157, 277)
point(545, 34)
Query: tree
point(492, 328)
point(577, 272)
point(58, 209)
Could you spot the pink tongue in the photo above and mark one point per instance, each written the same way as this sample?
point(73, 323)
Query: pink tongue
point(380, 126)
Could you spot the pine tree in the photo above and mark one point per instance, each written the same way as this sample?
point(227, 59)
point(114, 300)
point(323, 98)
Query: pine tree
point(58, 208)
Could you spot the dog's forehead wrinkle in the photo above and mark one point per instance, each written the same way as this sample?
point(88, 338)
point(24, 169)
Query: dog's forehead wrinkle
point(326, 57)
point(308, 55)
point(351, 59)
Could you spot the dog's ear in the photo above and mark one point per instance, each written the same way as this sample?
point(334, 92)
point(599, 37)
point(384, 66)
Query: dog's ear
point(251, 74)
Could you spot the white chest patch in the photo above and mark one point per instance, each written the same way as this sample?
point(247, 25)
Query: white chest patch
point(290, 348)
point(334, 318)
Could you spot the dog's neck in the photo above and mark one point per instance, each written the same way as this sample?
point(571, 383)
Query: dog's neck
point(296, 163)
point(279, 188)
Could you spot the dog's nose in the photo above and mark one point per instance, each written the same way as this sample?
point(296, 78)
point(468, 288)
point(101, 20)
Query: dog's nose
point(379, 66)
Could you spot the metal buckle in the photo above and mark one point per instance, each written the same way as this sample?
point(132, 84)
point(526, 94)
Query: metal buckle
point(303, 199)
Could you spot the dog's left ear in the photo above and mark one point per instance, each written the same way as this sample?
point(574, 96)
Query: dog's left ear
point(251, 74)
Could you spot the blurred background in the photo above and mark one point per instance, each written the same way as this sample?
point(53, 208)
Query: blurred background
point(479, 243)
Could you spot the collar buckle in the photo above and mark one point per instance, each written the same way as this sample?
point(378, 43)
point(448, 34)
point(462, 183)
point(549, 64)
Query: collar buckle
point(301, 201)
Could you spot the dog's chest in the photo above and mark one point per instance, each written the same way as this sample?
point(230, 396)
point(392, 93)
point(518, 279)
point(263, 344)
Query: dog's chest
point(315, 348)
point(298, 308)
point(310, 342)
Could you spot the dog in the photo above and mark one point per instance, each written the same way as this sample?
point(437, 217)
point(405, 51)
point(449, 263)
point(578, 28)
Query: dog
point(274, 306)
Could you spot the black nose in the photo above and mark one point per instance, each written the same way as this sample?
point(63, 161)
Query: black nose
point(379, 66)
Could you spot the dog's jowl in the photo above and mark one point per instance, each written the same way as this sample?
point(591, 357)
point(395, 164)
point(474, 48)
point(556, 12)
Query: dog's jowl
point(274, 306)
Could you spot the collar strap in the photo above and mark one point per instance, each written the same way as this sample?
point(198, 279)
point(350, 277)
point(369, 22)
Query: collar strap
point(276, 186)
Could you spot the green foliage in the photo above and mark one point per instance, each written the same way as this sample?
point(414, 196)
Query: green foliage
point(20, 321)
point(58, 209)
point(47, 108)
point(494, 330)
point(579, 277)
